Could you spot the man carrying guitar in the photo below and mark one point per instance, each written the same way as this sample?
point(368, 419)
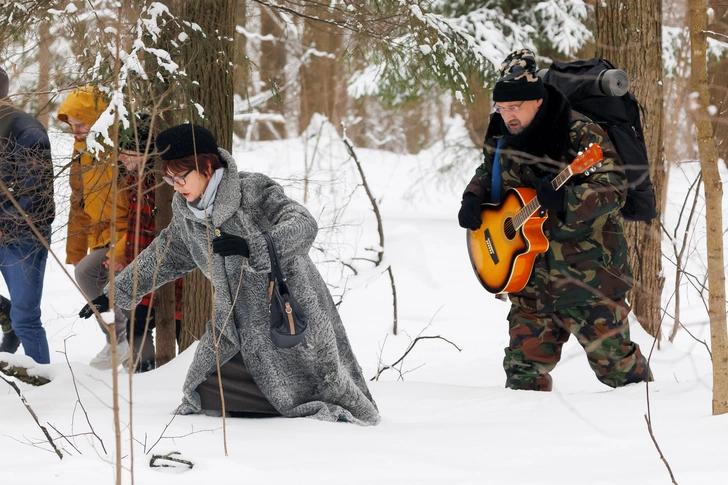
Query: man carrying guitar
point(576, 286)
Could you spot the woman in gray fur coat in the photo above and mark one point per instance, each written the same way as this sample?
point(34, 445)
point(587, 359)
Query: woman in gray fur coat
point(319, 377)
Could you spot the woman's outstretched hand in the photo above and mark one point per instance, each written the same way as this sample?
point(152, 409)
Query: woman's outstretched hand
point(101, 303)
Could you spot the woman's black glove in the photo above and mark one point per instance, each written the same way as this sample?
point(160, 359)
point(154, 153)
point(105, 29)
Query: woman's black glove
point(469, 215)
point(548, 197)
point(100, 302)
point(228, 245)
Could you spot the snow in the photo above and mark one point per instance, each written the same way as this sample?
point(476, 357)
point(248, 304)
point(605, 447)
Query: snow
point(447, 420)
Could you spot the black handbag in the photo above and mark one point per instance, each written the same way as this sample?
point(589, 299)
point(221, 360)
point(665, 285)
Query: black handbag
point(287, 321)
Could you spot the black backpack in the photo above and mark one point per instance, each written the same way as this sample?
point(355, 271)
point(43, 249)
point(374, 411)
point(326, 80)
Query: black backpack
point(619, 117)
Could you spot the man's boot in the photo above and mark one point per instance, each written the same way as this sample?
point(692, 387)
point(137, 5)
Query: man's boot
point(144, 352)
point(10, 342)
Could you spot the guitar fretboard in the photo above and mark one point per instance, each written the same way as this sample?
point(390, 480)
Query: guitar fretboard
point(530, 209)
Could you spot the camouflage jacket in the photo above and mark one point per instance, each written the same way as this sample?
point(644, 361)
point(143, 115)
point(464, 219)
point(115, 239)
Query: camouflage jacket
point(587, 259)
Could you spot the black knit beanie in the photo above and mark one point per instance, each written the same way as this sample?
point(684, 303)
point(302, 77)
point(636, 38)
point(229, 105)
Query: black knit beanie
point(3, 83)
point(136, 137)
point(518, 80)
point(184, 140)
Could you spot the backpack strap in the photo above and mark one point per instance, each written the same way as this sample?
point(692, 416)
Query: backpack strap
point(578, 121)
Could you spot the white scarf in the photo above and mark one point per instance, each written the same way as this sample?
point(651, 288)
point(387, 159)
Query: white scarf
point(202, 207)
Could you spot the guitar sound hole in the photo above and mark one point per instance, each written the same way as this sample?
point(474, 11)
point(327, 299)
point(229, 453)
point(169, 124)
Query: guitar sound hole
point(508, 229)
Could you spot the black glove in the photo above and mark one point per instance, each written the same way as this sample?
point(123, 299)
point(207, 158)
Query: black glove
point(100, 302)
point(469, 215)
point(228, 244)
point(548, 197)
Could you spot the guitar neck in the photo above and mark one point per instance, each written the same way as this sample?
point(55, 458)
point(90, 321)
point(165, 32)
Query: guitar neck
point(530, 209)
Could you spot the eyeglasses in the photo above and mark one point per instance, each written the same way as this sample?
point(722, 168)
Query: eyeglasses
point(177, 179)
point(508, 109)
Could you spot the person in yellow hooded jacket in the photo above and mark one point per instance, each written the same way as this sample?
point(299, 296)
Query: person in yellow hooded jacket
point(91, 213)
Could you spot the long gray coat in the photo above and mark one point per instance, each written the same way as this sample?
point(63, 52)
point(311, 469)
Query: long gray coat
point(320, 377)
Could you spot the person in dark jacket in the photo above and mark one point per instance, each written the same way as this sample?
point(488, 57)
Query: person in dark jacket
point(320, 377)
point(578, 286)
point(136, 145)
point(27, 210)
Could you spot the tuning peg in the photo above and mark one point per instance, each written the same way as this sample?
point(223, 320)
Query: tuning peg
point(586, 172)
point(599, 164)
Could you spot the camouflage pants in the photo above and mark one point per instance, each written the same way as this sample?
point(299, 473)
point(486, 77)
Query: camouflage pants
point(602, 329)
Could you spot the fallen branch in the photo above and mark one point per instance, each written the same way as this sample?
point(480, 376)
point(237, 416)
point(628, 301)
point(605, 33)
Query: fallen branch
point(21, 374)
point(35, 418)
point(168, 457)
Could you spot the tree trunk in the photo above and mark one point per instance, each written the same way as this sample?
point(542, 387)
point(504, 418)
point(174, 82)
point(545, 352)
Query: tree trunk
point(713, 206)
point(208, 63)
point(272, 65)
point(322, 89)
point(718, 78)
point(241, 71)
point(629, 35)
point(477, 111)
point(164, 298)
point(44, 65)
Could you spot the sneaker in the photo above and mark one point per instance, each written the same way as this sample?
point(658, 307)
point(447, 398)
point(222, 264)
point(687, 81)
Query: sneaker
point(102, 361)
point(10, 342)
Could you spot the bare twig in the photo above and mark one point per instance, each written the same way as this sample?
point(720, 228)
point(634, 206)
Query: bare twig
point(66, 438)
point(679, 254)
point(380, 227)
point(409, 349)
point(716, 35)
point(162, 437)
point(32, 413)
point(648, 416)
point(662, 457)
point(78, 398)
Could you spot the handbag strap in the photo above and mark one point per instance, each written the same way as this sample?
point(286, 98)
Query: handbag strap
point(275, 267)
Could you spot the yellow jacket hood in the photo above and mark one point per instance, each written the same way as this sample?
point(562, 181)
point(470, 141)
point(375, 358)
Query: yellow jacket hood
point(85, 104)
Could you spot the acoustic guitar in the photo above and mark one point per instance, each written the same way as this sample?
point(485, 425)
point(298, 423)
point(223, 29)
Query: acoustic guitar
point(503, 249)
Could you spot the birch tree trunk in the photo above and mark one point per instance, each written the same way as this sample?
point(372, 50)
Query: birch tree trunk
point(713, 205)
point(629, 35)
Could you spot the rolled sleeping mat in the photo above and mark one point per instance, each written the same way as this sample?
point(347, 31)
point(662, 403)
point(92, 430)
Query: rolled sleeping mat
point(610, 82)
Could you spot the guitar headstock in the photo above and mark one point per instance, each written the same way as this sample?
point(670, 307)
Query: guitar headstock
point(587, 159)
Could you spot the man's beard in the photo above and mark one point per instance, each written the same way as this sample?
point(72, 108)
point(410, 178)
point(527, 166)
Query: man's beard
point(515, 130)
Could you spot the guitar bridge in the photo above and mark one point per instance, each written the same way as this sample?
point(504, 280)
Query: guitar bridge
point(490, 246)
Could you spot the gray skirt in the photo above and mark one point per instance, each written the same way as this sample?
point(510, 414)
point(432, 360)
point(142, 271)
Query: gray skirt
point(242, 394)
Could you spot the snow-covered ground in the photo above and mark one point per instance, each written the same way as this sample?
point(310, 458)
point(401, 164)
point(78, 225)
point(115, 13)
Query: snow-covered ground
point(447, 420)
